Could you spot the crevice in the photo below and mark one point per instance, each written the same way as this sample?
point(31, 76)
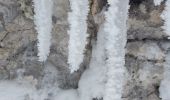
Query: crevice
point(149, 39)
point(135, 2)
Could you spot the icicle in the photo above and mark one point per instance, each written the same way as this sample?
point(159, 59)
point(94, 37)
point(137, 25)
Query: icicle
point(157, 2)
point(164, 88)
point(78, 32)
point(115, 33)
point(43, 22)
point(166, 16)
point(97, 65)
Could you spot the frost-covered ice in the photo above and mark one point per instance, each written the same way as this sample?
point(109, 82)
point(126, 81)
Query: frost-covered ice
point(25, 89)
point(71, 94)
point(78, 32)
point(14, 90)
point(115, 34)
point(92, 81)
point(10, 90)
point(165, 83)
point(43, 22)
point(166, 17)
point(164, 86)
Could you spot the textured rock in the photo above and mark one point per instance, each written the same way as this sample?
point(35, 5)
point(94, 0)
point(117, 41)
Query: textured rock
point(26, 8)
point(150, 73)
point(145, 50)
point(8, 10)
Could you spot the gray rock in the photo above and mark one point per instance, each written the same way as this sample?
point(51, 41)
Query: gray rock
point(144, 79)
point(145, 50)
point(8, 10)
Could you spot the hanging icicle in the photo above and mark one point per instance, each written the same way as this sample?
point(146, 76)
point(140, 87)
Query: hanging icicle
point(77, 19)
point(115, 34)
point(164, 88)
point(166, 17)
point(43, 22)
point(157, 2)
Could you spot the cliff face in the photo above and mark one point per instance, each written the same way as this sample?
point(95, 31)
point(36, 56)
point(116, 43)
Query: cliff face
point(146, 48)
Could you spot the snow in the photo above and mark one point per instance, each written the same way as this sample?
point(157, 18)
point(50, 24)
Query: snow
point(24, 88)
point(164, 88)
point(71, 94)
point(157, 2)
point(166, 16)
point(115, 34)
point(13, 90)
point(43, 22)
point(10, 90)
point(78, 32)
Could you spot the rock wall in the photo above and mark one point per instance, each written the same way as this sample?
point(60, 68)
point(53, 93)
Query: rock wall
point(146, 48)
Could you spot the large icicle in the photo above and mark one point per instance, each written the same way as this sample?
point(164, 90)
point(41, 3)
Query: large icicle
point(166, 16)
point(115, 33)
point(43, 22)
point(97, 65)
point(78, 32)
point(164, 86)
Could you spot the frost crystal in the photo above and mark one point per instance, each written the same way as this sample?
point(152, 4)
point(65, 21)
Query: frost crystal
point(43, 22)
point(166, 17)
point(78, 32)
point(115, 33)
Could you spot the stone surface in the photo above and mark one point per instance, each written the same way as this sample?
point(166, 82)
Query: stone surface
point(148, 50)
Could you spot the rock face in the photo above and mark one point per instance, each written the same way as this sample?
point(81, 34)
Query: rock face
point(146, 48)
